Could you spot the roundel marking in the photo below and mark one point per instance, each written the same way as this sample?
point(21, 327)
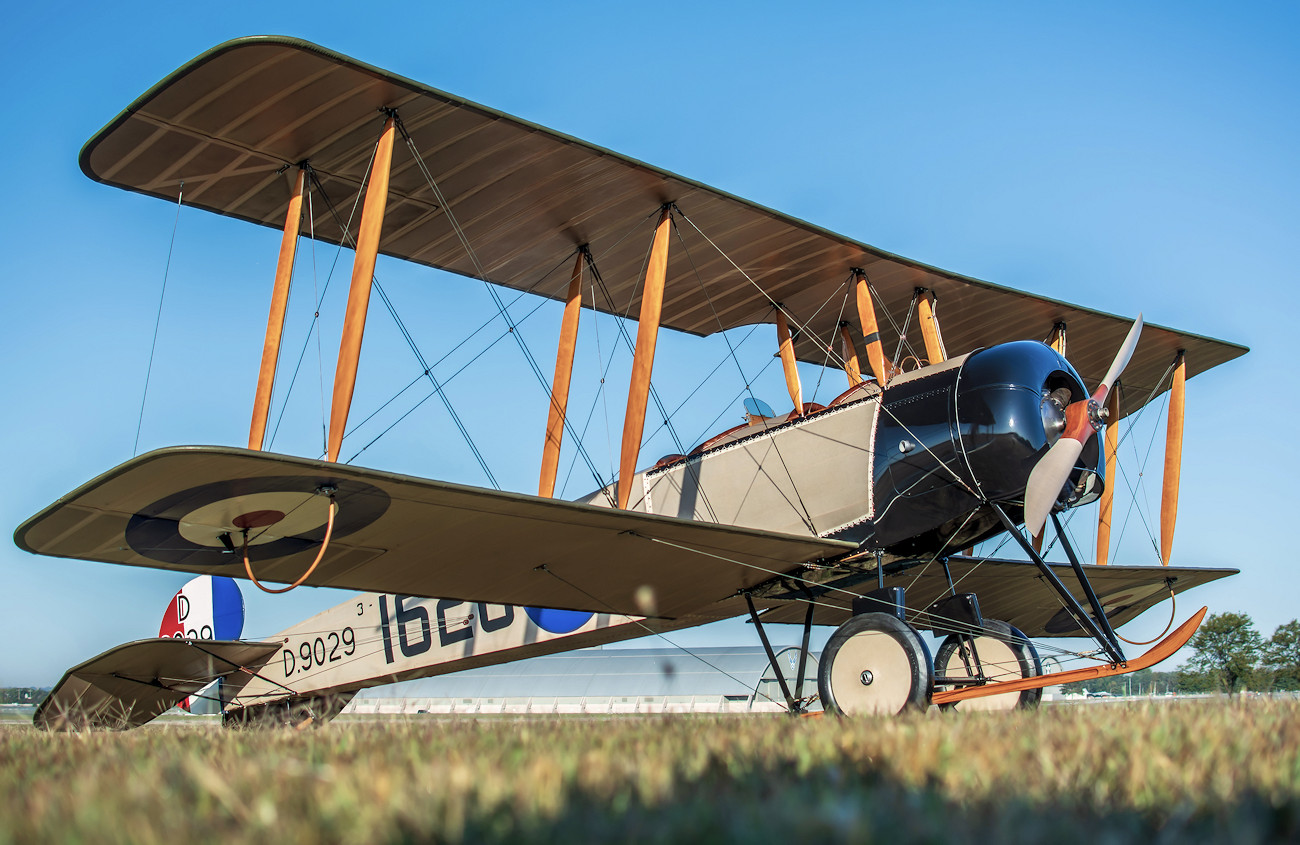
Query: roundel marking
point(282, 515)
point(558, 621)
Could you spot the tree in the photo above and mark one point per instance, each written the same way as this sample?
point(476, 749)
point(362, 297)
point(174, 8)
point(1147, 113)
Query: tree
point(22, 695)
point(1194, 683)
point(1227, 649)
point(1282, 656)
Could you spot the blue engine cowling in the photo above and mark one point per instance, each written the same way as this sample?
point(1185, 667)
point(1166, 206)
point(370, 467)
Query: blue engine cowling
point(948, 442)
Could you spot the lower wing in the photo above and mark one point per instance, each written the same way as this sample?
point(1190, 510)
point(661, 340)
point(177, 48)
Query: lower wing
point(203, 508)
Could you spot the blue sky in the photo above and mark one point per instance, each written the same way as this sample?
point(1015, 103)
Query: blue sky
point(1128, 158)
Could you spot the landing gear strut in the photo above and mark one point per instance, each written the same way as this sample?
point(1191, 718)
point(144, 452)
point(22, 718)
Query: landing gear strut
point(1001, 653)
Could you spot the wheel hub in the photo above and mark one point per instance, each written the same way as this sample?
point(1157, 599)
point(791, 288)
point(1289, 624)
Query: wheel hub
point(867, 677)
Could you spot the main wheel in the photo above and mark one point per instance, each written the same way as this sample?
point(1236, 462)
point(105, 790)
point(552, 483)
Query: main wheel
point(1001, 653)
point(875, 664)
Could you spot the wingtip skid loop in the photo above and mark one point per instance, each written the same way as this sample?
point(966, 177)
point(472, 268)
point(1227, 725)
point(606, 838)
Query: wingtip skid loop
point(320, 555)
point(1159, 652)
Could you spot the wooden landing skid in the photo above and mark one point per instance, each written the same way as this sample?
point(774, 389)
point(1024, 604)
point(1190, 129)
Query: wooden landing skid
point(1161, 651)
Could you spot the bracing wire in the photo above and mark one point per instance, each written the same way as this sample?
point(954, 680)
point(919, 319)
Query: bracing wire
point(1125, 436)
point(481, 274)
point(830, 348)
point(437, 387)
point(153, 347)
point(455, 348)
point(627, 340)
point(345, 237)
point(603, 366)
point(316, 294)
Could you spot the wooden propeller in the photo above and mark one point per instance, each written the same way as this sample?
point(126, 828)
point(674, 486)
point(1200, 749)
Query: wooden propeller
point(1082, 419)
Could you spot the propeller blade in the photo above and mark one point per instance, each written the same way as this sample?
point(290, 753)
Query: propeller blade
point(1121, 360)
point(1053, 469)
point(1045, 482)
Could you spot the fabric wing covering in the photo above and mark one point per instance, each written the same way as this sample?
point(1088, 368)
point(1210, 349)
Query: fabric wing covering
point(411, 536)
point(1014, 591)
point(232, 124)
point(131, 684)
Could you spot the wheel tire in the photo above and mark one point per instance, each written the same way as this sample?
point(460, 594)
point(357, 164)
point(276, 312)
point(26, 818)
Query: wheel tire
point(875, 664)
point(1004, 654)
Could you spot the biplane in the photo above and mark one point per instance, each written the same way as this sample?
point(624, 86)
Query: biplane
point(956, 426)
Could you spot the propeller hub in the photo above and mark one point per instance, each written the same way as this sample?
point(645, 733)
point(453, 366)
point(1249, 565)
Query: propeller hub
point(1097, 414)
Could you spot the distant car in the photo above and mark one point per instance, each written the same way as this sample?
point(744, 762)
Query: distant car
point(1102, 694)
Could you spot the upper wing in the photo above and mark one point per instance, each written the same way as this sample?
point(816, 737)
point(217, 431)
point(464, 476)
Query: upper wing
point(399, 534)
point(133, 683)
point(228, 123)
point(1014, 591)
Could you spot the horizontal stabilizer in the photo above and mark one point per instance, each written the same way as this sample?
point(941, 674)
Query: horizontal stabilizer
point(190, 509)
point(1014, 592)
point(133, 683)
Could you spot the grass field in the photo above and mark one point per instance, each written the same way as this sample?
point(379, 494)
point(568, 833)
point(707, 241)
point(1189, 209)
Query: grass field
point(1204, 771)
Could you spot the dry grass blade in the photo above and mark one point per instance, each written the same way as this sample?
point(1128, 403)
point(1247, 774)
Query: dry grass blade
point(1195, 771)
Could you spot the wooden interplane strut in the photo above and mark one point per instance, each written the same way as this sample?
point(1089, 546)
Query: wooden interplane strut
point(1173, 457)
point(363, 273)
point(1057, 341)
point(870, 330)
point(786, 346)
point(1107, 506)
point(852, 368)
point(643, 358)
point(560, 384)
point(935, 352)
point(275, 320)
